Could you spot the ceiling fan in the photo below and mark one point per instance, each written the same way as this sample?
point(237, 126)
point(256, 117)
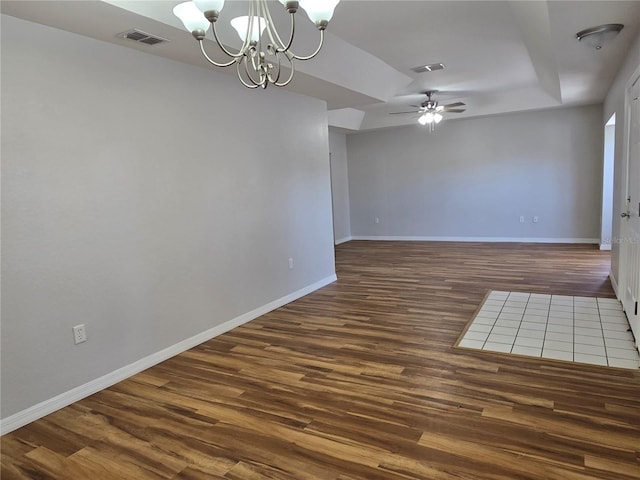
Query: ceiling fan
point(431, 112)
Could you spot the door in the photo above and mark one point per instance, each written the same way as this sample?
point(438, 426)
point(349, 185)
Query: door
point(630, 222)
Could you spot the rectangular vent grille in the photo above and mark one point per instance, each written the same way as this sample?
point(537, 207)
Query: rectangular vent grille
point(428, 68)
point(142, 37)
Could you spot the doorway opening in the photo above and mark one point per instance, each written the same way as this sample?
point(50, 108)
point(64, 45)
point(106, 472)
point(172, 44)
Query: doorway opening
point(606, 216)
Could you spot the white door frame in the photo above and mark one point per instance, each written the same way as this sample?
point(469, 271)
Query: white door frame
point(629, 236)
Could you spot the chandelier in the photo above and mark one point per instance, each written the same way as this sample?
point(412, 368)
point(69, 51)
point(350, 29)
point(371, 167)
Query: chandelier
point(262, 58)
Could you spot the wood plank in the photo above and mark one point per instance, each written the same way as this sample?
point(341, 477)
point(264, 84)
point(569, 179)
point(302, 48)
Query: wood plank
point(361, 380)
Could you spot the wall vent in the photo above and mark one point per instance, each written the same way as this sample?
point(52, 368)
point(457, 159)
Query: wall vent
point(428, 68)
point(142, 37)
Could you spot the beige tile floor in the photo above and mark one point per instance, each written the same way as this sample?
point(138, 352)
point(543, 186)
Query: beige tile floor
point(577, 329)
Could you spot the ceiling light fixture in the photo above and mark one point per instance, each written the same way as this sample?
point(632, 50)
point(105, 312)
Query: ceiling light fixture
point(430, 119)
point(431, 116)
point(597, 37)
point(431, 112)
point(257, 63)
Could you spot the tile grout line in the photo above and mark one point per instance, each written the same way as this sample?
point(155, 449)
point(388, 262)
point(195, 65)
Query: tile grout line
point(546, 325)
point(496, 319)
point(604, 341)
point(572, 320)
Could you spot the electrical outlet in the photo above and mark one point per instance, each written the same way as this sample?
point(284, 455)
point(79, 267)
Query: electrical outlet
point(535, 219)
point(290, 263)
point(79, 334)
point(521, 218)
point(377, 220)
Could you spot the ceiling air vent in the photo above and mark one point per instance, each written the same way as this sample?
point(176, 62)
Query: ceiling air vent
point(428, 68)
point(142, 37)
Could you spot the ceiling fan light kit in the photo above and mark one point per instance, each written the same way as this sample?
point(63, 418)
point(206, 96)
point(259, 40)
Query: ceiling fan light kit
point(597, 37)
point(429, 117)
point(258, 63)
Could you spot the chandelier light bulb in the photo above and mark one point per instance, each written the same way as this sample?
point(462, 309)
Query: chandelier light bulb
point(209, 5)
point(191, 17)
point(319, 10)
point(429, 117)
point(437, 117)
point(423, 120)
point(241, 24)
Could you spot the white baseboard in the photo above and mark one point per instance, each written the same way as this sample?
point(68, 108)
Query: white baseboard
point(342, 240)
point(614, 284)
point(477, 239)
point(46, 407)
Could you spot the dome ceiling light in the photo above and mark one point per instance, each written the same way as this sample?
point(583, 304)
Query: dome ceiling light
point(597, 37)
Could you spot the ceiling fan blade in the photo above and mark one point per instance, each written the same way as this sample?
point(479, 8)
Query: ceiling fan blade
point(417, 106)
point(454, 110)
point(457, 104)
point(402, 113)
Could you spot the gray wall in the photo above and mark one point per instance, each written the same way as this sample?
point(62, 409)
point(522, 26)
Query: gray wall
point(615, 103)
point(340, 186)
point(147, 199)
point(474, 178)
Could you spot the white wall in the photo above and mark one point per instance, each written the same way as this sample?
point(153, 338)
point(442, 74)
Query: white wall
point(474, 178)
point(147, 199)
point(606, 223)
point(615, 103)
point(340, 186)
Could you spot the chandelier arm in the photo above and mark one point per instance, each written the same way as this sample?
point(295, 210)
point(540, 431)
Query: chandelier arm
point(288, 81)
point(252, 18)
point(271, 30)
point(309, 57)
point(293, 32)
point(269, 77)
point(246, 69)
point(274, 36)
point(251, 54)
point(256, 46)
point(223, 48)
point(228, 64)
point(245, 43)
point(252, 85)
point(261, 80)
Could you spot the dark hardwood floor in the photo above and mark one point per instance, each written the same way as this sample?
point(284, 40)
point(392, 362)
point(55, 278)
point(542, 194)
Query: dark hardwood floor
point(359, 380)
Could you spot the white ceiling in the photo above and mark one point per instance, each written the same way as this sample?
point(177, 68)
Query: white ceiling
point(500, 56)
